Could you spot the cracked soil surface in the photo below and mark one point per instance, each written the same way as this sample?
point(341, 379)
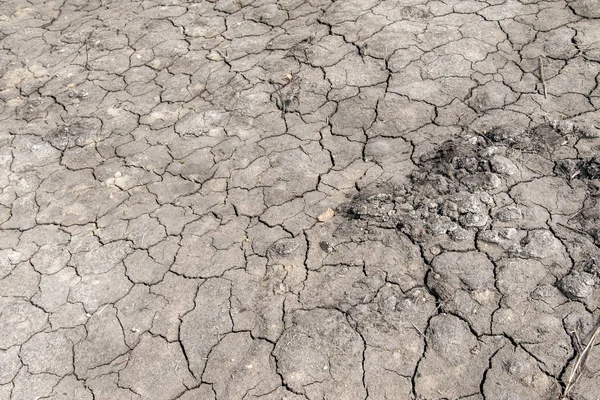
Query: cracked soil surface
point(299, 199)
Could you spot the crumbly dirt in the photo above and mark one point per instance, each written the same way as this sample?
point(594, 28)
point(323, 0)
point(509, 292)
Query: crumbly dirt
point(299, 200)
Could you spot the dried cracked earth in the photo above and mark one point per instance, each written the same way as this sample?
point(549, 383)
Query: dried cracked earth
point(299, 199)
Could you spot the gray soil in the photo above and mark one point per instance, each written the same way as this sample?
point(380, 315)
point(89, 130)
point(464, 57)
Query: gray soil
point(167, 175)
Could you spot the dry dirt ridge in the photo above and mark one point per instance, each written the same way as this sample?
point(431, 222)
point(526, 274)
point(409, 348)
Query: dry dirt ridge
point(299, 199)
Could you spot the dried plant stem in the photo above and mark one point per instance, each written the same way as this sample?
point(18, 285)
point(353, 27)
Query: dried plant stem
point(577, 370)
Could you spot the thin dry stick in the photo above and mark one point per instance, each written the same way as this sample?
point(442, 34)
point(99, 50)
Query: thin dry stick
point(418, 330)
point(577, 370)
point(543, 78)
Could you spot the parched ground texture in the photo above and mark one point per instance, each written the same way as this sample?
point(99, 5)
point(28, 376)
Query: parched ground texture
point(166, 170)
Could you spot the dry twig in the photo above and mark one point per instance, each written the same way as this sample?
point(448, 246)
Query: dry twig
point(577, 370)
point(418, 330)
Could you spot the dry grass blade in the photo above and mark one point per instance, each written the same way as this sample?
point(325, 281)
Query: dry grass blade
point(577, 370)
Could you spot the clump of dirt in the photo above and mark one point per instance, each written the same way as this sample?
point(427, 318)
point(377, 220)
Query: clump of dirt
point(422, 214)
point(590, 168)
point(453, 190)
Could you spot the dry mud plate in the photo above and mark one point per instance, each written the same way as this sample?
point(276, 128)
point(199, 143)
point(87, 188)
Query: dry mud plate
point(299, 199)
